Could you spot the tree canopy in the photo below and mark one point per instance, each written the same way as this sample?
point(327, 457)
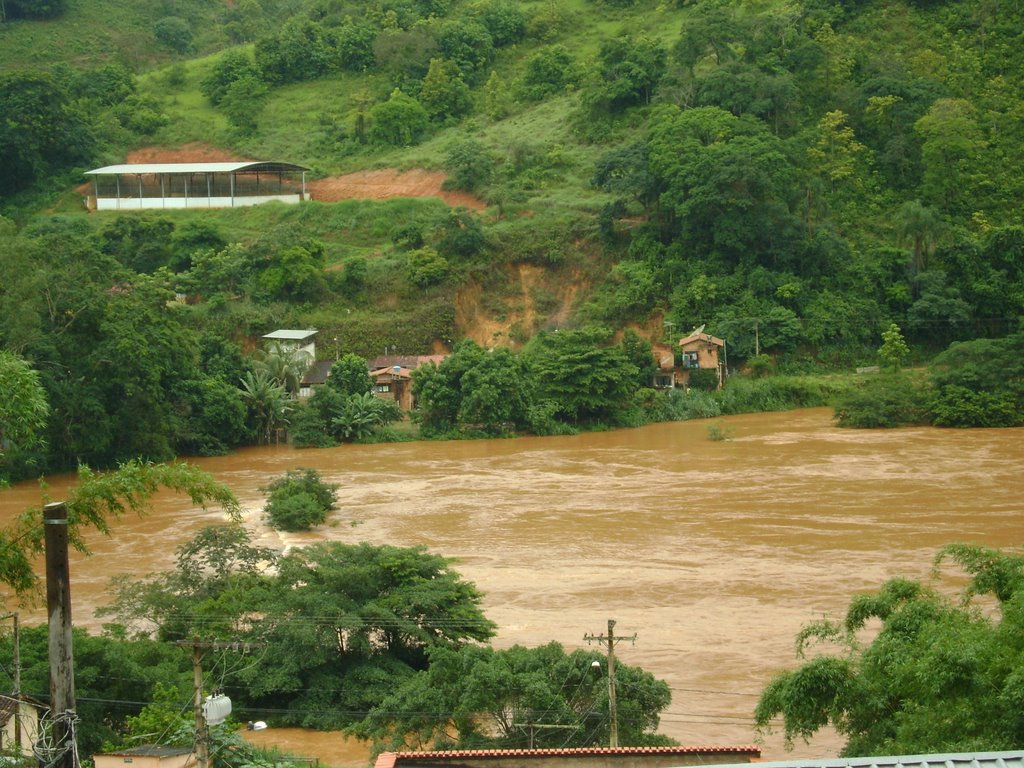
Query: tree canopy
point(938, 675)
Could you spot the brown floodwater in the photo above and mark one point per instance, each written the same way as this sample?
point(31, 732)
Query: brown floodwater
point(713, 553)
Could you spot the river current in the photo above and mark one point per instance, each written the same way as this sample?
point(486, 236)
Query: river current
point(713, 553)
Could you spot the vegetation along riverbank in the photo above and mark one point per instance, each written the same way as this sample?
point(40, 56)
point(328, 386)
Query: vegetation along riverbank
point(549, 200)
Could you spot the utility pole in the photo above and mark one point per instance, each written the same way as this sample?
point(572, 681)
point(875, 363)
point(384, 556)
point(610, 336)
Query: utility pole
point(202, 732)
point(60, 651)
point(202, 737)
point(613, 714)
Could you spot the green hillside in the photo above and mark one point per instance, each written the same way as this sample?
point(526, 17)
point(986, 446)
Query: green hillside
point(796, 176)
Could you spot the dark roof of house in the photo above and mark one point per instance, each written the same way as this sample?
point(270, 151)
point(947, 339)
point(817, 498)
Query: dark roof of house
point(317, 373)
point(1011, 759)
point(9, 705)
point(151, 750)
point(392, 759)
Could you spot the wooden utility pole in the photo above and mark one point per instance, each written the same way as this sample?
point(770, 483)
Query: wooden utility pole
point(613, 714)
point(61, 654)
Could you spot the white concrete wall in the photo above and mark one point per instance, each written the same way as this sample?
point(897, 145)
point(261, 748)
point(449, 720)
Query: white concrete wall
point(138, 203)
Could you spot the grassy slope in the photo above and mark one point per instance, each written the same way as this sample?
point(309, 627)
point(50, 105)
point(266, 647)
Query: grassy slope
point(300, 122)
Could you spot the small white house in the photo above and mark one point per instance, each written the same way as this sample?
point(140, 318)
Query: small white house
point(295, 340)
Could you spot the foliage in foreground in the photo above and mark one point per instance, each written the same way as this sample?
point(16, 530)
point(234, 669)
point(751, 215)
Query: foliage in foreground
point(379, 640)
point(480, 698)
point(97, 499)
point(939, 676)
point(340, 623)
point(107, 669)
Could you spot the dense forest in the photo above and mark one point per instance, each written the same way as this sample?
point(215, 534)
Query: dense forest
point(799, 177)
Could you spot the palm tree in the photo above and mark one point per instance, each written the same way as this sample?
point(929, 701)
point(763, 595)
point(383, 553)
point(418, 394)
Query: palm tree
point(267, 401)
point(286, 365)
point(921, 226)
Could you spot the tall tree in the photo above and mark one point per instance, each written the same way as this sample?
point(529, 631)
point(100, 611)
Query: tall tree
point(519, 698)
point(939, 675)
point(346, 623)
point(581, 373)
point(23, 409)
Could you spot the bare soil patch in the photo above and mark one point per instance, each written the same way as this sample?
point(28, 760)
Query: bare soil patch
point(195, 152)
point(387, 183)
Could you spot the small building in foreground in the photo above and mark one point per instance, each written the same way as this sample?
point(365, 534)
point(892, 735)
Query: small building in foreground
point(147, 756)
point(578, 757)
point(19, 723)
point(134, 186)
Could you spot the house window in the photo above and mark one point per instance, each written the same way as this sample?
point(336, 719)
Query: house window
point(690, 360)
point(383, 387)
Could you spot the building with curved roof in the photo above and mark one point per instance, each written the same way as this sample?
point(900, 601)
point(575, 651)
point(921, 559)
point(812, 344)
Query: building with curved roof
point(134, 186)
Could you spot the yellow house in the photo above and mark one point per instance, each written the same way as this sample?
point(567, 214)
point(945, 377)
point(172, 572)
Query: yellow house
point(19, 723)
point(147, 756)
point(701, 350)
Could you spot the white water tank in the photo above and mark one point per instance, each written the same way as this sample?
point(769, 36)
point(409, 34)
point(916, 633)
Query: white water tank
point(216, 709)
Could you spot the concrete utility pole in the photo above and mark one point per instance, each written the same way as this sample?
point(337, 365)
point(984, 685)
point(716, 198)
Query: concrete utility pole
point(202, 731)
point(613, 714)
point(61, 655)
point(202, 737)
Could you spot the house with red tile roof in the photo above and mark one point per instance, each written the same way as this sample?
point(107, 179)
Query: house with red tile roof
point(578, 757)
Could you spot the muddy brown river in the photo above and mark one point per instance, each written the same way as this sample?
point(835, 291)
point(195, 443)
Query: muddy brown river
point(713, 553)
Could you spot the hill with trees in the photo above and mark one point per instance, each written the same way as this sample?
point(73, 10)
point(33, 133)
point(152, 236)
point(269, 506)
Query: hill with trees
point(796, 176)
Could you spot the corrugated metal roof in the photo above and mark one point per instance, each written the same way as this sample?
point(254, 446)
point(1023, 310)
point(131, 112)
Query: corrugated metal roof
point(154, 168)
point(286, 334)
point(950, 760)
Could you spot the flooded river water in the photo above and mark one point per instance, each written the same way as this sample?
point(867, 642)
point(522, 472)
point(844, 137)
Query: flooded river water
point(713, 553)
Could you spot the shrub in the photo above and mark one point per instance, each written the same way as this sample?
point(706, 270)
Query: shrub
point(295, 513)
point(299, 500)
point(717, 433)
point(778, 393)
point(979, 383)
point(884, 401)
point(399, 121)
point(469, 165)
point(705, 379)
point(173, 32)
